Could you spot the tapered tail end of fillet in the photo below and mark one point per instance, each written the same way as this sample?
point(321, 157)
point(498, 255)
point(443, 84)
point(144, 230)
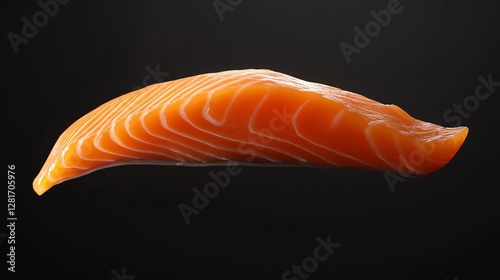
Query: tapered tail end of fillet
point(451, 146)
point(41, 184)
point(444, 148)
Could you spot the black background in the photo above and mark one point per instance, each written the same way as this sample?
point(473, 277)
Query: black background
point(442, 226)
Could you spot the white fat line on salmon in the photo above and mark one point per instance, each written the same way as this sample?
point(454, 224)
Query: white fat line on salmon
point(174, 152)
point(166, 139)
point(261, 139)
point(375, 148)
point(97, 144)
point(130, 106)
point(209, 119)
point(291, 81)
point(427, 152)
point(72, 160)
point(283, 118)
point(294, 122)
point(152, 96)
point(295, 83)
point(211, 190)
point(117, 140)
point(423, 154)
point(411, 164)
point(193, 87)
point(482, 92)
point(164, 123)
point(206, 108)
point(201, 140)
point(96, 121)
point(163, 117)
point(260, 142)
point(155, 74)
point(265, 134)
point(337, 118)
point(158, 93)
point(84, 149)
point(99, 120)
point(372, 29)
point(149, 95)
point(180, 155)
point(165, 126)
point(182, 87)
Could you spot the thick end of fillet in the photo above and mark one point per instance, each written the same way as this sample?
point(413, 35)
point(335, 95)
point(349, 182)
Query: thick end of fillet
point(447, 145)
point(415, 152)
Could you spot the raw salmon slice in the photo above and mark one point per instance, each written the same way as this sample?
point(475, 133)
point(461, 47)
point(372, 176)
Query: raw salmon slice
point(248, 116)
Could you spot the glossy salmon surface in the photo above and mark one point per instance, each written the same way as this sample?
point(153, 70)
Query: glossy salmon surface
point(250, 116)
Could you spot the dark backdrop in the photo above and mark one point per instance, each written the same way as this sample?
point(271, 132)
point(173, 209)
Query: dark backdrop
point(427, 58)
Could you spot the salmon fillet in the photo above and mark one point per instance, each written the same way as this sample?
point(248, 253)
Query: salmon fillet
point(248, 116)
